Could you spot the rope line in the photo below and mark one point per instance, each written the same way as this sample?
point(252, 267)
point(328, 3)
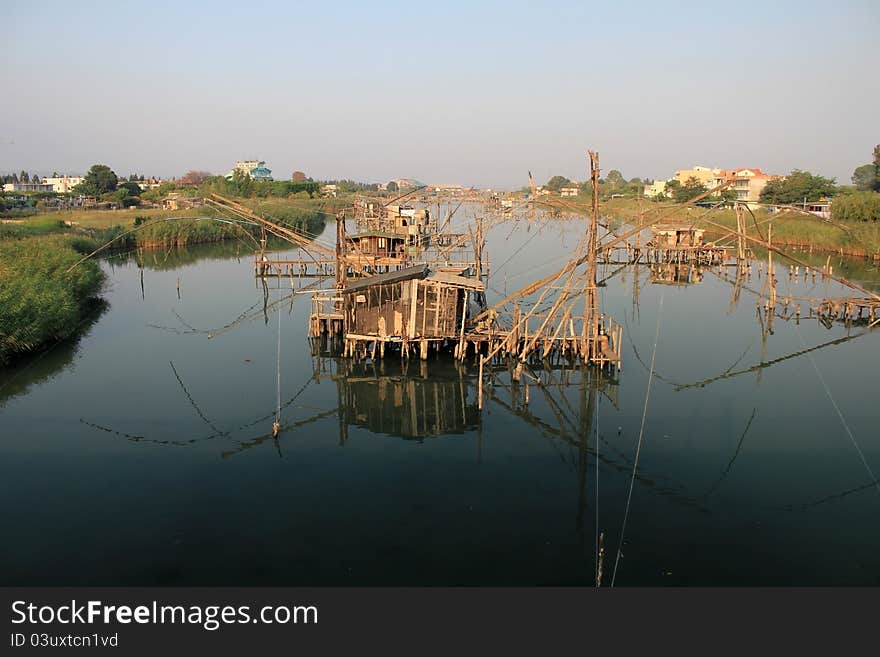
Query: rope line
point(839, 413)
point(277, 425)
point(638, 445)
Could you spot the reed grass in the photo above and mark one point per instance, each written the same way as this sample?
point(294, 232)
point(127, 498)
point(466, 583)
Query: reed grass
point(40, 301)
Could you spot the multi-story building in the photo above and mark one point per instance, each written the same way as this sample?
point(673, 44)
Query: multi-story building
point(655, 189)
point(63, 184)
point(748, 183)
point(705, 175)
point(27, 187)
point(256, 169)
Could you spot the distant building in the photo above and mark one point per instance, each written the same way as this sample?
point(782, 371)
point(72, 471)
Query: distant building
point(569, 191)
point(148, 183)
point(329, 190)
point(63, 184)
point(248, 165)
point(748, 183)
point(704, 175)
point(27, 187)
point(298, 176)
point(261, 173)
point(407, 183)
point(256, 169)
point(655, 189)
point(177, 201)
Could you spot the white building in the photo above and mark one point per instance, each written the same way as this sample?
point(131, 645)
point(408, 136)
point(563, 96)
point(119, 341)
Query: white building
point(656, 188)
point(568, 191)
point(26, 187)
point(256, 169)
point(63, 184)
point(248, 165)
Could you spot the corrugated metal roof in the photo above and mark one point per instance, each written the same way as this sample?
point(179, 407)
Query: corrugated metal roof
point(419, 271)
point(455, 279)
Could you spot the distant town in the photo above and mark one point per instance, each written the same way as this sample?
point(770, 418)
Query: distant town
point(101, 188)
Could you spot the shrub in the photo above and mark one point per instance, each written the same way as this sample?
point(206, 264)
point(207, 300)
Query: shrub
point(40, 301)
point(857, 206)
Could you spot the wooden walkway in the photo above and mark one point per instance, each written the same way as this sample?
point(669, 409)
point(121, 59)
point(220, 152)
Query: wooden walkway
point(357, 265)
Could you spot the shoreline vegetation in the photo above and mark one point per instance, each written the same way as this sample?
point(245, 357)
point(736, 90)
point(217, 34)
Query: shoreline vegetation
point(790, 228)
point(44, 303)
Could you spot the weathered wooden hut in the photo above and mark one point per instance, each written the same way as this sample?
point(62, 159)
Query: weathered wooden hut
point(676, 235)
point(377, 243)
point(411, 305)
point(682, 243)
point(411, 224)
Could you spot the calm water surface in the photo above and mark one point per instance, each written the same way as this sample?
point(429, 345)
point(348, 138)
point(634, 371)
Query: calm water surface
point(141, 453)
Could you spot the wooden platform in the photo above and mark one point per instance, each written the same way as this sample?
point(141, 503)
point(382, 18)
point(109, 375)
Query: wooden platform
point(326, 267)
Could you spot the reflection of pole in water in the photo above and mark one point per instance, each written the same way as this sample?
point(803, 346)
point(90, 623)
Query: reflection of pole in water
point(265, 301)
point(737, 286)
point(636, 315)
point(588, 388)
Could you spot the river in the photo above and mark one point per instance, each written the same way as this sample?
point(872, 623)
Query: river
point(140, 453)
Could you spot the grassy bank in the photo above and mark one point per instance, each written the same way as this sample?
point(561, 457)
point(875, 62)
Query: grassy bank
point(41, 302)
point(789, 228)
point(166, 228)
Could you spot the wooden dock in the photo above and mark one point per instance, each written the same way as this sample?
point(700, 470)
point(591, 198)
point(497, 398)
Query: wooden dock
point(267, 266)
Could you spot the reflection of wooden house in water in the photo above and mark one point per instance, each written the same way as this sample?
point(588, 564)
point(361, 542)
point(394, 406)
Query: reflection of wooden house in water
point(408, 406)
point(674, 273)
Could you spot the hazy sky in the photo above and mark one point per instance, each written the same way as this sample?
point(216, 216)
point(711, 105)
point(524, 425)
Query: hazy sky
point(468, 92)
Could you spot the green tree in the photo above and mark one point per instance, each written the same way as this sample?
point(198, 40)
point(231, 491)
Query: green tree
point(123, 197)
point(671, 187)
point(728, 195)
point(615, 180)
point(133, 188)
point(243, 183)
point(392, 186)
point(691, 189)
point(865, 177)
point(797, 187)
point(24, 177)
point(99, 180)
point(556, 183)
point(857, 206)
point(877, 168)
